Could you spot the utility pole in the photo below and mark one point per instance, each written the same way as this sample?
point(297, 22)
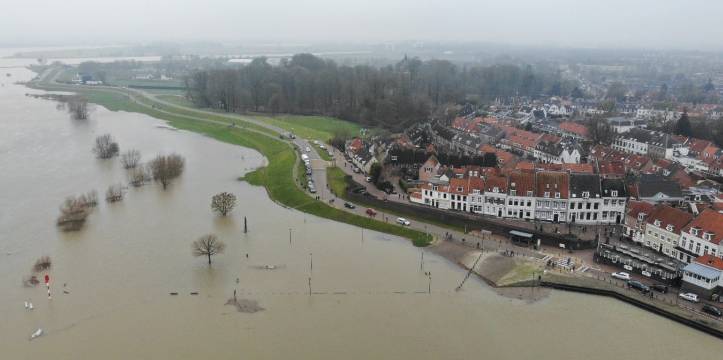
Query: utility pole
point(245, 226)
point(289, 236)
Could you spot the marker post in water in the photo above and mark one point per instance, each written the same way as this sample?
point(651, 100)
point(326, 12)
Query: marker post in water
point(47, 284)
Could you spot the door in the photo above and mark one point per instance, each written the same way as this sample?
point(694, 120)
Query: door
point(555, 217)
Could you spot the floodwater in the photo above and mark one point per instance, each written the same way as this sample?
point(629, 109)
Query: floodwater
point(369, 295)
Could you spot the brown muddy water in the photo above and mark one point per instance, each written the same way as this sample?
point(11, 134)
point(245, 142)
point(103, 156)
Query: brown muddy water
point(369, 296)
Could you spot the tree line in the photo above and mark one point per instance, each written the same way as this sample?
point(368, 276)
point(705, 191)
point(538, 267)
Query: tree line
point(393, 96)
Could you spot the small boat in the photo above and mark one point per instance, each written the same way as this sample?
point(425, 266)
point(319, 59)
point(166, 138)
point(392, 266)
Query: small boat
point(36, 334)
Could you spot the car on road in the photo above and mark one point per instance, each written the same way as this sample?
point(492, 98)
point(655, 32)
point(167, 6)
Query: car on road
point(322, 147)
point(355, 169)
point(371, 212)
point(403, 221)
point(659, 288)
point(349, 205)
point(712, 310)
point(369, 179)
point(621, 275)
point(637, 285)
point(312, 189)
point(308, 149)
point(689, 296)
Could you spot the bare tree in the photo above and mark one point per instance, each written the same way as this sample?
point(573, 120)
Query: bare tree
point(105, 146)
point(138, 176)
point(78, 107)
point(207, 245)
point(73, 213)
point(114, 193)
point(43, 263)
point(89, 199)
point(130, 159)
point(223, 203)
point(165, 168)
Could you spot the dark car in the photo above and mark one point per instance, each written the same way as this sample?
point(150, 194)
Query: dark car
point(637, 285)
point(349, 205)
point(710, 309)
point(659, 288)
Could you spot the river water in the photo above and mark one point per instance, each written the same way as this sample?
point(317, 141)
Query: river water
point(369, 296)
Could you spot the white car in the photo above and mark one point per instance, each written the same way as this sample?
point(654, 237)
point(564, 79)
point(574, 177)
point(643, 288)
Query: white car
point(308, 149)
point(403, 221)
point(621, 275)
point(689, 296)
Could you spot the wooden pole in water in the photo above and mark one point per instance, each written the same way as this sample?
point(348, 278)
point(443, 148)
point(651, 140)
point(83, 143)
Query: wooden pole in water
point(429, 289)
point(421, 262)
point(309, 285)
point(289, 236)
point(245, 226)
point(311, 262)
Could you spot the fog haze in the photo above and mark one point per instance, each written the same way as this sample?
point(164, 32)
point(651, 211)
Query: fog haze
point(689, 24)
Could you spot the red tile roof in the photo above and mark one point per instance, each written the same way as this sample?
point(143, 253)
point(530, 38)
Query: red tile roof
point(575, 128)
point(552, 182)
point(611, 168)
point(708, 221)
point(710, 260)
point(669, 216)
point(522, 182)
point(637, 207)
point(499, 182)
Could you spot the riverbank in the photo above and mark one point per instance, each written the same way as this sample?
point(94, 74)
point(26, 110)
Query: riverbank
point(277, 177)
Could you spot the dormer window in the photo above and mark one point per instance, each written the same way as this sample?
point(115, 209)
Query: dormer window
point(656, 222)
point(513, 192)
point(585, 194)
point(460, 189)
point(529, 193)
point(694, 231)
point(641, 216)
point(669, 227)
point(614, 193)
point(708, 236)
point(547, 194)
point(557, 195)
point(512, 184)
point(495, 189)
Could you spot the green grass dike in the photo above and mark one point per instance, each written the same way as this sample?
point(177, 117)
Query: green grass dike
point(277, 177)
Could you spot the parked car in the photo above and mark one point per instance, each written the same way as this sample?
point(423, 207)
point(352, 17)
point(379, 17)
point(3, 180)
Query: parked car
point(349, 205)
point(371, 212)
point(312, 189)
point(637, 285)
point(621, 275)
point(659, 288)
point(369, 179)
point(355, 169)
point(403, 221)
point(689, 296)
point(308, 149)
point(712, 310)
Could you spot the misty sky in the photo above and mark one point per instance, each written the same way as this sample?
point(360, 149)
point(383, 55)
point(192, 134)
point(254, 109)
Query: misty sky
point(689, 24)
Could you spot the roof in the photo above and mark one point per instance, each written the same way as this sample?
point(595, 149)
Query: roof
point(495, 181)
point(710, 261)
point(697, 145)
point(431, 161)
point(609, 185)
point(709, 221)
point(611, 168)
point(589, 183)
point(669, 216)
point(575, 128)
point(704, 271)
point(651, 185)
point(552, 182)
point(637, 207)
point(522, 182)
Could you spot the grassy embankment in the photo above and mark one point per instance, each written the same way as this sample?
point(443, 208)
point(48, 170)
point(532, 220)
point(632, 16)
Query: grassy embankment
point(277, 177)
point(320, 128)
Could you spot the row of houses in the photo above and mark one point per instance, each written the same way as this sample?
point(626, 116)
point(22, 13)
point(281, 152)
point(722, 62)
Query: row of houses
point(684, 236)
point(556, 196)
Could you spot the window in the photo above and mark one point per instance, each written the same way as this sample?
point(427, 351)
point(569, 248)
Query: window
point(606, 202)
point(708, 236)
point(557, 195)
point(596, 206)
point(586, 194)
point(587, 206)
point(694, 231)
point(572, 206)
point(529, 193)
point(547, 194)
point(513, 192)
point(614, 193)
point(656, 222)
point(669, 227)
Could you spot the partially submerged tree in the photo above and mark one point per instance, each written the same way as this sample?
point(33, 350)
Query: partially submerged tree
point(78, 107)
point(130, 159)
point(114, 193)
point(223, 203)
point(73, 213)
point(139, 176)
point(89, 199)
point(165, 168)
point(43, 263)
point(207, 245)
point(105, 146)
